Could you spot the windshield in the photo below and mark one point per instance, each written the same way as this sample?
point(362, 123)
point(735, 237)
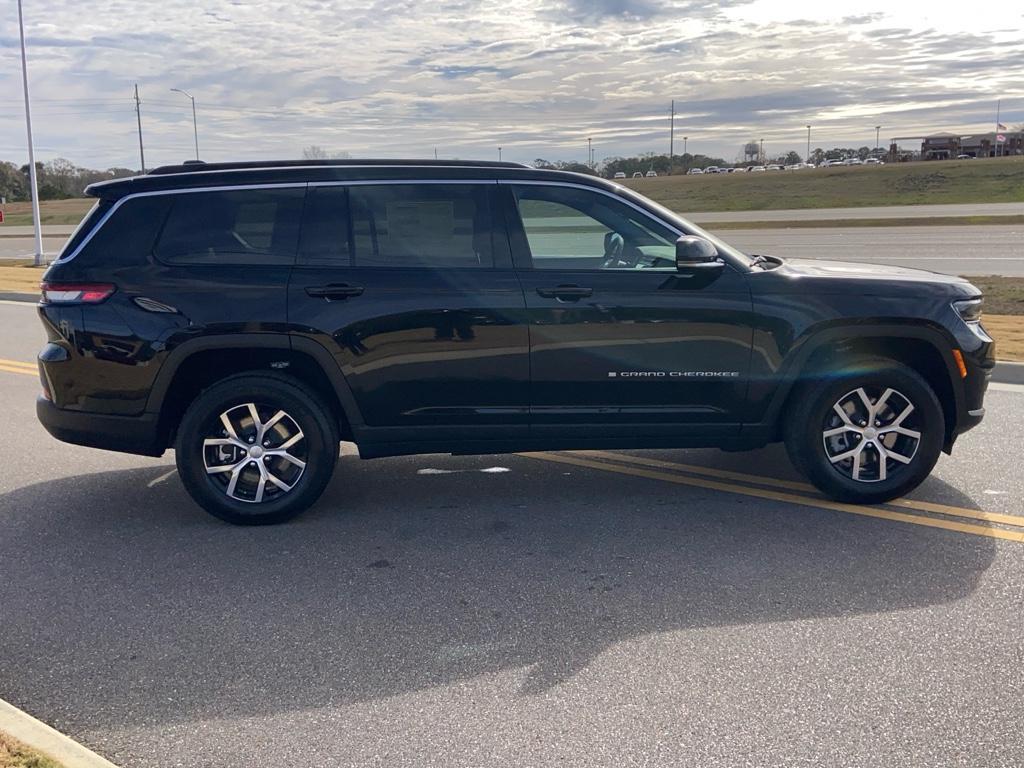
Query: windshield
point(688, 226)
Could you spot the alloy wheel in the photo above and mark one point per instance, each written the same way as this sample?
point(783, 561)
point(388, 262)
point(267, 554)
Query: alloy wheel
point(871, 433)
point(255, 453)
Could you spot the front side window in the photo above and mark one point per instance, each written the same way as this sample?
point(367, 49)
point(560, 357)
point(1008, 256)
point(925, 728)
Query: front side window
point(421, 225)
point(234, 226)
point(571, 228)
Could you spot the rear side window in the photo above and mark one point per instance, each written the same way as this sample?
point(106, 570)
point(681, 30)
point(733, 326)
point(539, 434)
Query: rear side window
point(422, 225)
point(233, 226)
point(127, 237)
point(325, 228)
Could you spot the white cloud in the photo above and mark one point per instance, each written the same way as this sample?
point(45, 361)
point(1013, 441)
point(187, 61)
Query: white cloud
point(397, 77)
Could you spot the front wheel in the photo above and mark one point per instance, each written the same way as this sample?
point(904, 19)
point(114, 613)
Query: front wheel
point(870, 435)
point(256, 449)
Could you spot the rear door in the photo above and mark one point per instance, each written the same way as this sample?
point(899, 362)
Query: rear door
point(622, 344)
point(410, 287)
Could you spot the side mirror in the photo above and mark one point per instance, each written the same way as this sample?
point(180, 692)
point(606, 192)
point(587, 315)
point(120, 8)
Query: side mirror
point(693, 251)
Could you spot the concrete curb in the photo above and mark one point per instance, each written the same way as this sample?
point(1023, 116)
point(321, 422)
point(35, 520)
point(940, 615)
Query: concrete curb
point(41, 737)
point(1004, 373)
point(1008, 373)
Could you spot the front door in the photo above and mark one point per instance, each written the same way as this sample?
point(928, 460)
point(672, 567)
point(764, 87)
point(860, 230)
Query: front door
point(411, 288)
point(622, 344)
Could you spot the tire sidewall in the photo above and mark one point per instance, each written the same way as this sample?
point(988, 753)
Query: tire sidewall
point(276, 391)
point(804, 437)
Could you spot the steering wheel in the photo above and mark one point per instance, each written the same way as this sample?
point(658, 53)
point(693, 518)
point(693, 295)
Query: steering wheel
point(614, 245)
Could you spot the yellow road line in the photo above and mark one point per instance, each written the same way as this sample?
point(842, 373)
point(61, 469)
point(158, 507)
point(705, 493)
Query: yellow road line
point(18, 364)
point(791, 498)
point(23, 371)
point(708, 471)
point(920, 506)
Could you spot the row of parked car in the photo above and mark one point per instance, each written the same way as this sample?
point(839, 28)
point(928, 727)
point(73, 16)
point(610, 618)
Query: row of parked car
point(778, 167)
point(761, 168)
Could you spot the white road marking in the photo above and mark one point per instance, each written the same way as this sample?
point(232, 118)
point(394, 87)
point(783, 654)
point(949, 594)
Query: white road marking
point(488, 470)
point(10, 303)
point(1000, 387)
point(157, 480)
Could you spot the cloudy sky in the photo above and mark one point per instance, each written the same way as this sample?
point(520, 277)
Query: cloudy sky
point(399, 78)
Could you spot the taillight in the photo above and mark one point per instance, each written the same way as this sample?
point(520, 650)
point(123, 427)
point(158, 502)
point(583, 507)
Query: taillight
point(75, 293)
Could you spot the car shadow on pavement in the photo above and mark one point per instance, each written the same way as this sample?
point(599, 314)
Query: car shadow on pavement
point(124, 604)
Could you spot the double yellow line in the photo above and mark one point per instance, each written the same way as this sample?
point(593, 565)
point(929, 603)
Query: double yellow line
point(17, 366)
point(788, 491)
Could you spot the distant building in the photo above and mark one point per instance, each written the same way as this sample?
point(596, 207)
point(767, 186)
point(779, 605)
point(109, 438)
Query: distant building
point(944, 146)
point(985, 144)
point(940, 146)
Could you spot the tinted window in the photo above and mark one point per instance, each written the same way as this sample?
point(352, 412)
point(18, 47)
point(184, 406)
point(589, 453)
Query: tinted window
point(238, 226)
point(128, 235)
point(325, 228)
point(425, 225)
point(570, 228)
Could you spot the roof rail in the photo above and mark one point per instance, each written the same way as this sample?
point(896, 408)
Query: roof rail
point(193, 166)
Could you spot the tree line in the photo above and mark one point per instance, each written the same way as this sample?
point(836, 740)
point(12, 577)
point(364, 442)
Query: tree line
point(58, 179)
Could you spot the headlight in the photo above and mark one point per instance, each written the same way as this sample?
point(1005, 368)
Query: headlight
point(969, 309)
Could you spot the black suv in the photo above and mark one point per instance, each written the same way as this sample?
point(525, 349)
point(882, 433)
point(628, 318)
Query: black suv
point(252, 316)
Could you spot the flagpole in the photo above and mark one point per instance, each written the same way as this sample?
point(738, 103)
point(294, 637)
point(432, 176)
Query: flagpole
point(999, 149)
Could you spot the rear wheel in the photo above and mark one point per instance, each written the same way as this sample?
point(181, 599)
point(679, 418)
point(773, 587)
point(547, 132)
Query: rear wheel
point(256, 449)
point(872, 434)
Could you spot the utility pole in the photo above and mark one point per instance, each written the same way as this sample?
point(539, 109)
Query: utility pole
point(195, 129)
point(38, 260)
point(138, 117)
point(808, 158)
point(590, 154)
point(878, 130)
point(760, 155)
point(672, 137)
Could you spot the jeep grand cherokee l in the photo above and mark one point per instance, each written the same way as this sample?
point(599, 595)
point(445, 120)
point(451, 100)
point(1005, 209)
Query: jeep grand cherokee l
point(253, 315)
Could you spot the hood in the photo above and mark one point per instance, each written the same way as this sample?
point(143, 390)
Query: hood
point(822, 276)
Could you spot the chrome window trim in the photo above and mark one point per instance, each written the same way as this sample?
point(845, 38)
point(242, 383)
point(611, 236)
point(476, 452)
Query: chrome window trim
point(375, 182)
point(154, 193)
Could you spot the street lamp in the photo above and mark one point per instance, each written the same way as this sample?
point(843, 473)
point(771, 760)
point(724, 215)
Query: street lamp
point(878, 129)
point(195, 128)
point(499, 154)
point(808, 158)
point(36, 225)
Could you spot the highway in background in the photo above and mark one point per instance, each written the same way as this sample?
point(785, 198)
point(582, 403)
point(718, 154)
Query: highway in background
point(961, 250)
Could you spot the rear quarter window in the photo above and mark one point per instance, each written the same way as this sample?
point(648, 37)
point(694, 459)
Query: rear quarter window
point(235, 226)
point(126, 237)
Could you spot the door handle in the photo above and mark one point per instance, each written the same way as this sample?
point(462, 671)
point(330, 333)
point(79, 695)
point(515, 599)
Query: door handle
point(334, 291)
point(566, 292)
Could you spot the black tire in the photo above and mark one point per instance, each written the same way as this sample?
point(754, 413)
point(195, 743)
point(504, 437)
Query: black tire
point(814, 411)
point(308, 423)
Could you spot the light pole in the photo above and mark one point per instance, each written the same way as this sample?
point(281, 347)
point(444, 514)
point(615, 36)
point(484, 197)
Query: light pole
point(590, 154)
point(685, 138)
point(38, 260)
point(878, 130)
point(195, 128)
point(499, 154)
point(808, 158)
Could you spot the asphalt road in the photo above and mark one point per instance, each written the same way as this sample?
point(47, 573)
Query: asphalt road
point(961, 250)
point(507, 611)
point(872, 212)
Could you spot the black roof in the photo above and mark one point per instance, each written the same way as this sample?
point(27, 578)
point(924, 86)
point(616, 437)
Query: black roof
point(197, 174)
point(196, 166)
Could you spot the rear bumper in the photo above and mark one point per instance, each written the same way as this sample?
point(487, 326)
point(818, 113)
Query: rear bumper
point(127, 434)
